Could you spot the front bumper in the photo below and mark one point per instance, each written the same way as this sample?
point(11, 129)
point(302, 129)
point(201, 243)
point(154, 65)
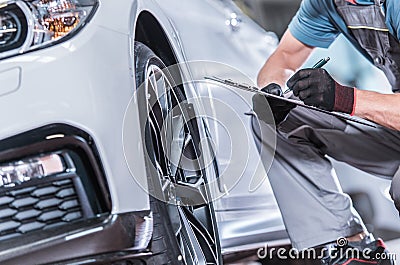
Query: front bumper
point(66, 217)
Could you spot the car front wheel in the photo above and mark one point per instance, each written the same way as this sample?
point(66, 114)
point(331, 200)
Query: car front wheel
point(185, 230)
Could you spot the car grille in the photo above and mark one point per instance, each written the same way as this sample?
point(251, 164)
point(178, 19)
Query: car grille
point(41, 206)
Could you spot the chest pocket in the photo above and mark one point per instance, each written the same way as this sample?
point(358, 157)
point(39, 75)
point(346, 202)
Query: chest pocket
point(367, 24)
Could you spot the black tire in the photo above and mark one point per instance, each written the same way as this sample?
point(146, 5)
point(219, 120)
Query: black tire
point(166, 245)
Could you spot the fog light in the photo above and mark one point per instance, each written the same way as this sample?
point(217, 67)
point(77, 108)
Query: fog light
point(17, 172)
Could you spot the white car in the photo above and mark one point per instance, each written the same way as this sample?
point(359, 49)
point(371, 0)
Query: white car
point(91, 126)
point(80, 143)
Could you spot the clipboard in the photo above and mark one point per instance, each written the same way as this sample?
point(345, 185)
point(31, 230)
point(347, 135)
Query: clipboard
point(252, 89)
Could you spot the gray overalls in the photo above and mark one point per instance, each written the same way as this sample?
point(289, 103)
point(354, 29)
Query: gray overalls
point(314, 208)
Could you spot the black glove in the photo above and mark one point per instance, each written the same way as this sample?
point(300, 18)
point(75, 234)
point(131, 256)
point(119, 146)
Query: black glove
point(280, 109)
point(317, 88)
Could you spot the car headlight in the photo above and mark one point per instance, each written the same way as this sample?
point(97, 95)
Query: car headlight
point(27, 25)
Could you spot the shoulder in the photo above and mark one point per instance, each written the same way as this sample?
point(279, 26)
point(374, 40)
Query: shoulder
point(313, 4)
point(313, 23)
point(317, 8)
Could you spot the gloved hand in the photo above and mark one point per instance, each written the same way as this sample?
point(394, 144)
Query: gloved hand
point(280, 109)
point(317, 88)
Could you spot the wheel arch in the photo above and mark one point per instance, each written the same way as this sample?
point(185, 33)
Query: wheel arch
point(150, 32)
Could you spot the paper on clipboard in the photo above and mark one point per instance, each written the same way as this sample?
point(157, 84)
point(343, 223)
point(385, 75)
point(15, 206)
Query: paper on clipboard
point(252, 89)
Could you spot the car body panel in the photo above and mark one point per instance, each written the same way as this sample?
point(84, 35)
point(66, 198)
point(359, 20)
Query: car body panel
point(257, 220)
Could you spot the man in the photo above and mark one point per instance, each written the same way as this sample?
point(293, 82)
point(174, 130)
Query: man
point(314, 208)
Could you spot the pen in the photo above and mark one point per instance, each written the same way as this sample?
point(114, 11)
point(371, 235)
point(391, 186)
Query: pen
point(319, 64)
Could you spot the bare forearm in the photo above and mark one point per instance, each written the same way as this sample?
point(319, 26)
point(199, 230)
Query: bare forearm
point(275, 70)
point(380, 108)
point(287, 58)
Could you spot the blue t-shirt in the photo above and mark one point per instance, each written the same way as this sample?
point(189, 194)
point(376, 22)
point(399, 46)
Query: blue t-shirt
point(317, 23)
